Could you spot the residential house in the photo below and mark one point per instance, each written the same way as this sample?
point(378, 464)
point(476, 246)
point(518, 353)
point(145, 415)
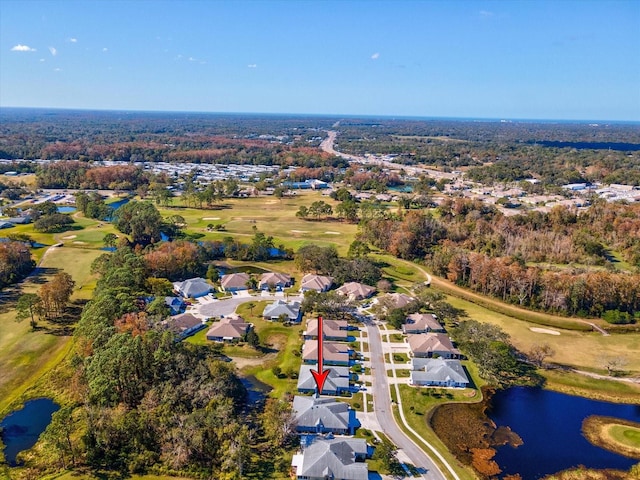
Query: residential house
point(175, 304)
point(229, 329)
point(333, 353)
point(317, 283)
point(438, 372)
point(332, 458)
point(4, 224)
point(234, 282)
point(356, 291)
point(184, 324)
point(21, 220)
point(273, 280)
point(422, 323)
point(337, 381)
point(399, 300)
point(280, 307)
point(324, 415)
point(193, 288)
point(336, 330)
point(428, 345)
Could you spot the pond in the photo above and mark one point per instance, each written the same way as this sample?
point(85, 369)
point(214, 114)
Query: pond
point(256, 391)
point(66, 209)
point(549, 424)
point(21, 429)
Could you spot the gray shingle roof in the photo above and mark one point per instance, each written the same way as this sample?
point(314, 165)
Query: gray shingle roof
point(334, 458)
point(311, 411)
point(277, 308)
point(437, 370)
point(338, 378)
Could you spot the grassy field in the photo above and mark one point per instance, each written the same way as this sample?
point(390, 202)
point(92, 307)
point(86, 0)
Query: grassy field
point(25, 355)
point(418, 403)
point(272, 216)
point(587, 349)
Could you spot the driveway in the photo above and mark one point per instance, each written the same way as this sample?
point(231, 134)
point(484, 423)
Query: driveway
point(227, 306)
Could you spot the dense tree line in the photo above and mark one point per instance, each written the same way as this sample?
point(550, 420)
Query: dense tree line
point(77, 174)
point(143, 400)
point(325, 261)
point(475, 246)
point(15, 262)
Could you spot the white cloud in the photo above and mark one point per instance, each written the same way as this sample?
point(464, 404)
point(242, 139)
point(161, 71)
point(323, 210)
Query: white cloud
point(73, 40)
point(22, 48)
point(105, 49)
point(191, 59)
point(53, 51)
point(42, 60)
point(252, 65)
point(486, 14)
point(375, 56)
point(57, 69)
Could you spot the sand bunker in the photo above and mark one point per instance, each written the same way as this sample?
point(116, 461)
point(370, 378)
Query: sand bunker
point(333, 233)
point(299, 231)
point(211, 218)
point(80, 243)
point(544, 330)
point(69, 237)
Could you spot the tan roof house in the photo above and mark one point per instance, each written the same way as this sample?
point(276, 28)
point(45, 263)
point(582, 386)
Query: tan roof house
point(333, 353)
point(228, 329)
point(422, 323)
point(184, 324)
point(234, 282)
point(429, 345)
point(399, 300)
point(317, 283)
point(275, 280)
point(336, 330)
point(356, 291)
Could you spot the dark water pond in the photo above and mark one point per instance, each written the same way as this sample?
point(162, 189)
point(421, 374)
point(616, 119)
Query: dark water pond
point(256, 391)
point(549, 424)
point(21, 429)
point(118, 203)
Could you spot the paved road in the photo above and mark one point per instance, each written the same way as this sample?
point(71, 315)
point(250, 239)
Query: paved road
point(327, 146)
point(384, 411)
point(229, 305)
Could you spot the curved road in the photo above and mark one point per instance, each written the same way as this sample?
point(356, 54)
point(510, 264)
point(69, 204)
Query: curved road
point(384, 411)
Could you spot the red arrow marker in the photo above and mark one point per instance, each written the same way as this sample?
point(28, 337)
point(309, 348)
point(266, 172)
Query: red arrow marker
point(320, 376)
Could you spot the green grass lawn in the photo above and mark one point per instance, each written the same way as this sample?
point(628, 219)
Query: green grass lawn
point(423, 401)
point(271, 216)
point(25, 356)
point(586, 351)
point(626, 435)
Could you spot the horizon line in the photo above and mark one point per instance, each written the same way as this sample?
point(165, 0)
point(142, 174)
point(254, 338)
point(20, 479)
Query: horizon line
point(332, 115)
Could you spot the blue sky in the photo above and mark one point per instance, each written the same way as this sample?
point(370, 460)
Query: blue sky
point(532, 59)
